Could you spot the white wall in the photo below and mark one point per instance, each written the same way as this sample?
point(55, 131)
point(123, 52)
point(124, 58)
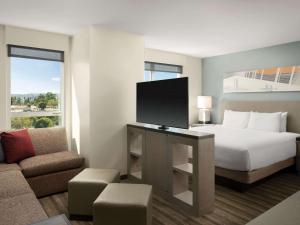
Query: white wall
point(35, 38)
point(116, 63)
point(191, 69)
point(38, 39)
point(3, 99)
point(80, 70)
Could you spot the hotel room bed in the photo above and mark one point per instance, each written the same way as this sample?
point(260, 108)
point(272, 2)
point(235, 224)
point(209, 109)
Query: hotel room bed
point(248, 150)
point(250, 155)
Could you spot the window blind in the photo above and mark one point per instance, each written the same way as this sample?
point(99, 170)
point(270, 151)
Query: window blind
point(35, 53)
point(160, 67)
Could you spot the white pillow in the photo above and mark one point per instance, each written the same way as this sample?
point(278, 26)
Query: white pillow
point(236, 119)
point(283, 121)
point(265, 121)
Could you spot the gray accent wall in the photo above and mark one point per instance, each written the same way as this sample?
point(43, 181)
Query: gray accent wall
point(214, 68)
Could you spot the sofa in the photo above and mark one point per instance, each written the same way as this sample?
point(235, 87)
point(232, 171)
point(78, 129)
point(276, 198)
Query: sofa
point(46, 173)
point(18, 203)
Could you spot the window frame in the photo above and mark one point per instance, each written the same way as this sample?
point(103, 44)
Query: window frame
point(61, 113)
point(9, 47)
point(178, 75)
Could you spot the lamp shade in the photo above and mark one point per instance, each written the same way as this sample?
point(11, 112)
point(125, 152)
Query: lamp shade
point(204, 102)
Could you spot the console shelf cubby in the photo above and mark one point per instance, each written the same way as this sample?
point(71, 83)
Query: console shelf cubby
point(136, 145)
point(181, 150)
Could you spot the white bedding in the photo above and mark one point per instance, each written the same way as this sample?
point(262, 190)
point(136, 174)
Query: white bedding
point(247, 150)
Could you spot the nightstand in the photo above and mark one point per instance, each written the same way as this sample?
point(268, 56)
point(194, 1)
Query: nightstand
point(298, 154)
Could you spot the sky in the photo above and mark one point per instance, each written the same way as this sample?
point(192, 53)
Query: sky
point(31, 76)
point(159, 75)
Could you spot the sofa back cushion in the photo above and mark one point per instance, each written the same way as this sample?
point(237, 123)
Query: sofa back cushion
point(49, 140)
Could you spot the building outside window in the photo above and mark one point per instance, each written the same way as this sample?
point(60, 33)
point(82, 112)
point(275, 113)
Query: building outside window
point(159, 71)
point(37, 81)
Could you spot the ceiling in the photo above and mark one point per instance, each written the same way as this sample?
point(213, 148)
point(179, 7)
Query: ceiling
point(194, 27)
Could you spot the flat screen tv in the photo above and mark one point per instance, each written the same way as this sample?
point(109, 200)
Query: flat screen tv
point(164, 103)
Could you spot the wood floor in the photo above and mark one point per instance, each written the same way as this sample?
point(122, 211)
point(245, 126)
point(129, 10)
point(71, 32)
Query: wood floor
point(231, 207)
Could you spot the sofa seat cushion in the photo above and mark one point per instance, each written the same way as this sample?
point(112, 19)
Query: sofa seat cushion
point(8, 167)
point(51, 163)
point(13, 183)
point(21, 210)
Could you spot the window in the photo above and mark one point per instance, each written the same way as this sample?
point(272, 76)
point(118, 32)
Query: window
point(159, 71)
point(37, 77)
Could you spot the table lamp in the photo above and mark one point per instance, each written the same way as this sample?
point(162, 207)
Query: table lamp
point(204, 104)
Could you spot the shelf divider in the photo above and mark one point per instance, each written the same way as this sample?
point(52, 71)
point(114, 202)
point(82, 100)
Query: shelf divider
point(136, 153)
point(186, 196)
point(137, 174)
point(186, 168)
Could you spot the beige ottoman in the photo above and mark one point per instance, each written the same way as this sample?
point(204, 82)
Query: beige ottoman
point(286, 212)
point(124, 204)
point(84, 188)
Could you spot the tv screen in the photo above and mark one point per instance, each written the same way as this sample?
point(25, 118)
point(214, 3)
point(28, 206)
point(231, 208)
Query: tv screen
point(163, 102)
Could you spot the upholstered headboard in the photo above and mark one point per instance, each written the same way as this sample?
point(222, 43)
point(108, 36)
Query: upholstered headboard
point(292, 107)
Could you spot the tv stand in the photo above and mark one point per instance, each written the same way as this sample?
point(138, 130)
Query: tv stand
point(163, 127)
point(178, 163)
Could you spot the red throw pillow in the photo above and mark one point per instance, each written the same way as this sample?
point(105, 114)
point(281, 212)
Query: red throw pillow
point(17, 145)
